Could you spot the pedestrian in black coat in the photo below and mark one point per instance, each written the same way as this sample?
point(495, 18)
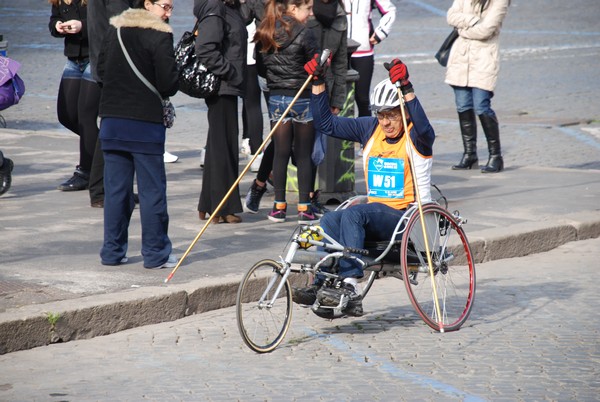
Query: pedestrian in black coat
point(221, 46)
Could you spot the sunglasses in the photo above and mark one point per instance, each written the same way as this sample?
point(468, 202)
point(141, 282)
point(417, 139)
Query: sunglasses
point(165, 7)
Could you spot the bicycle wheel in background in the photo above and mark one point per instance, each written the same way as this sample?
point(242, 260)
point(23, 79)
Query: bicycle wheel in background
point(453, 268)
point(262, 320)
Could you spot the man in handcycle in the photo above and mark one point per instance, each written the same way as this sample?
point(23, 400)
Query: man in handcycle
point(389, 179)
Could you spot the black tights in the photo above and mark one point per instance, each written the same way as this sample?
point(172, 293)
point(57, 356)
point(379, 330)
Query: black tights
point(364, 66)
point(299, 137)
point(77, 110)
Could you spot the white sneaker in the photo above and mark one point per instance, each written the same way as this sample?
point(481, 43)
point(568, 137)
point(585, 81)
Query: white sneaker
point(170, 263)
point(202, 155)
point(245, 147)
point(169, 157)
point(256, 164)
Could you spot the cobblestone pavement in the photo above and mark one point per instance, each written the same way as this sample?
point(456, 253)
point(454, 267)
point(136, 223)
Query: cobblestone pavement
point(533, 335)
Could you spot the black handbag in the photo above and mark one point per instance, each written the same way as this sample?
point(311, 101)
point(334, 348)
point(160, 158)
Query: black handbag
point(194, 78)
point(444, 52)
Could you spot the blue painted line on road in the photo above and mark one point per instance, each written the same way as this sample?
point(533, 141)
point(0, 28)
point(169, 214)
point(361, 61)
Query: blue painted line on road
point(580, 136)
point(547, 32)
point(57, 46)
point(429, 7)
point(394, 371)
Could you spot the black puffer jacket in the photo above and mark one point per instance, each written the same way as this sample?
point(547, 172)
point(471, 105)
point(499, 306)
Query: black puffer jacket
point(221, 43)
point(76, 45)
point(284, 68)
point(149, 42)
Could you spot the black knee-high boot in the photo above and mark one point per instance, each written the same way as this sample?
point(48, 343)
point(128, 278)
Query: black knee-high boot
point(468, 131)
point(495, 162)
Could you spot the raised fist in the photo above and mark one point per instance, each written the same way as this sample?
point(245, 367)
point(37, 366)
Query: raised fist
point(399, 74)
point(398, 71)
point(317, 69)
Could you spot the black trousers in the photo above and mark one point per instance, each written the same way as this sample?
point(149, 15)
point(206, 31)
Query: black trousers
point(252, 117)
point(96, 182)
point(221, 163)
point(364, 66)
point(77, 109)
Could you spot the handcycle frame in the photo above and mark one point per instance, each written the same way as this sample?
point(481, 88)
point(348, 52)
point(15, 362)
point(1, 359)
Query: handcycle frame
point(264, 299)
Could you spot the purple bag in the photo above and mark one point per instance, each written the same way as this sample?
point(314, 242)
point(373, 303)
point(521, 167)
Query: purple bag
point(12, 87)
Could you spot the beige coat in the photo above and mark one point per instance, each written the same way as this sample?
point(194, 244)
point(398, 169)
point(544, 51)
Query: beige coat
point(474, 58)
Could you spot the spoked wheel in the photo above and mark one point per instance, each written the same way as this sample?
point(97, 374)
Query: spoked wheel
point(264, 306)
point(453, 281)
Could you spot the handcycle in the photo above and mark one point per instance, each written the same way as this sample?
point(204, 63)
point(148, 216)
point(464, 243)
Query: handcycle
point(441, 286)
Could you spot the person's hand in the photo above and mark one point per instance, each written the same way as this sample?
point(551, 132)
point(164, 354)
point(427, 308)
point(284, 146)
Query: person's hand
point(399, 74)
point(73, 26)
point(398, 71)
point(69, 27)
point(374, 39)
point(317, 69)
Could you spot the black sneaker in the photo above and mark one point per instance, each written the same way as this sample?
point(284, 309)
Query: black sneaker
point(278, 212)
point(307, 216)
point(318, 209)
point(5, 175)
point(306, 296)
point(79, 181)
point(332, 297)
point(354, 307)
point(252, 201)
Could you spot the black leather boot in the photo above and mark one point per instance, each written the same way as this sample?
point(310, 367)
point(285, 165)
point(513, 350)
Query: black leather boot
point(468, 131)
point(495, 162)
point(6, 167)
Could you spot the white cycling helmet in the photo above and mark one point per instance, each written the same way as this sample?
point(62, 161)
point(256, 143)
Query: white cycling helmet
point(384, 96)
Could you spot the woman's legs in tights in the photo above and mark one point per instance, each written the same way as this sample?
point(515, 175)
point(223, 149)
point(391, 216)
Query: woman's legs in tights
point(266, 164)
point(304, 137)
point(67, 110)
point(301, 135)
point(282, 138)
point(66, 104)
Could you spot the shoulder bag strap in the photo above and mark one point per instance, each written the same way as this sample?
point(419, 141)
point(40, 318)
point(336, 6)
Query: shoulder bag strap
point(134, 68)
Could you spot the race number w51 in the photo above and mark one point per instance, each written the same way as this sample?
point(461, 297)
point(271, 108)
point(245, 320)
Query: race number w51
point(386, 177)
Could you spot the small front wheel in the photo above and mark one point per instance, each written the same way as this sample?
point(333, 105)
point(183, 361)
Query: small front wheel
point(264, 306)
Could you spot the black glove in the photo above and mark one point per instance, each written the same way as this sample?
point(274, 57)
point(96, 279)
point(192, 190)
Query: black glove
point(317, 69)
point(399, 73)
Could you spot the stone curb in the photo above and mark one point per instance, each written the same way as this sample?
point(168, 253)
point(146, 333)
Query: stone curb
point(96, 315)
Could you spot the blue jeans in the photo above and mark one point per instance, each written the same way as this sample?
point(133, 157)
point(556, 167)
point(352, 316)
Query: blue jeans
point(119, 170)
point(467, 98)
point(350, 227)
point(78, 70)
point(299, 113)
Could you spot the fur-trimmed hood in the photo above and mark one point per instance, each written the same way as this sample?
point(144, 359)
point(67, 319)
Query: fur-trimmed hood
point(140, 18)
